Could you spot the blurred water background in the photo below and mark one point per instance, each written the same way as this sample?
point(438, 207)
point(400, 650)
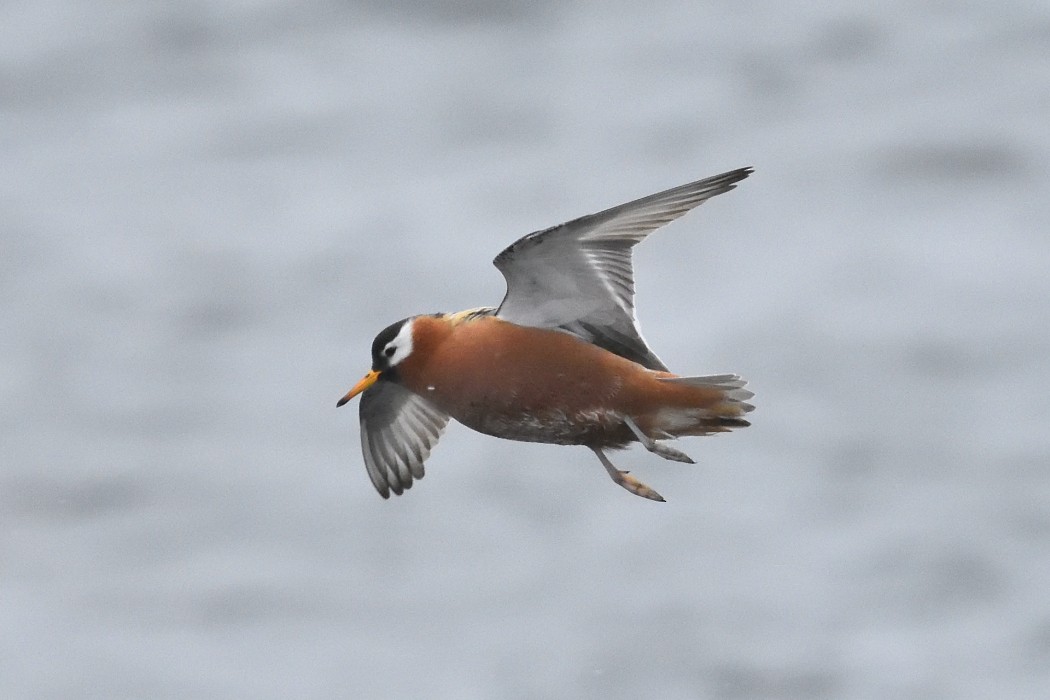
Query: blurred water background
point(208, 209)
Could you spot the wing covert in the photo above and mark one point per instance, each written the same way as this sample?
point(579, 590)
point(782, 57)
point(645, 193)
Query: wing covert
point(579, 277)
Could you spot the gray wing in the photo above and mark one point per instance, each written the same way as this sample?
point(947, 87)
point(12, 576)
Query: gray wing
point(398, 428)
point(578, 276)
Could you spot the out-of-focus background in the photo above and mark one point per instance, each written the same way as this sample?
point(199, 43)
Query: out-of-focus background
point(208, 209)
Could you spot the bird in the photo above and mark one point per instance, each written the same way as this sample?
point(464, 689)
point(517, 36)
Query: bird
point(561, 360)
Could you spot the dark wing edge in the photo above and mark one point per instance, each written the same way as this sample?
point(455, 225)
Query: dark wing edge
point(628, 346)
point(634, 220)
point(398, 430)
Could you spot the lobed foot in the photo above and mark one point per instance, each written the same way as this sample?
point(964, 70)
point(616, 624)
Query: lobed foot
point(636, 487)
point(655, 447)
point(625, 480)
point(670, 453)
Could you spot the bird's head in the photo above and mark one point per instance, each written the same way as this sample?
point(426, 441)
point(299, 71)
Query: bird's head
point(389, 349)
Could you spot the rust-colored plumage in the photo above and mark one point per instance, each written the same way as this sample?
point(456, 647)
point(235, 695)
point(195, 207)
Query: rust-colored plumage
point(560, 361)
point(562, 390)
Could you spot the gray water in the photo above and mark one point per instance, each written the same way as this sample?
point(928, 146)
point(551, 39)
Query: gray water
point(207, 210)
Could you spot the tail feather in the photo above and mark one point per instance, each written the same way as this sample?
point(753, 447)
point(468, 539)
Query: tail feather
point(726, 414)
point(731, 385)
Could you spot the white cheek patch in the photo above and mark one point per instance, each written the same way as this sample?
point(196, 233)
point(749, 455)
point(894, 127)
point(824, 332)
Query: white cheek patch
point(403, 344)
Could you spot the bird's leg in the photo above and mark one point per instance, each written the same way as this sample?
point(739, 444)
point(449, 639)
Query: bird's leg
point(626, 480)
point(655, 447)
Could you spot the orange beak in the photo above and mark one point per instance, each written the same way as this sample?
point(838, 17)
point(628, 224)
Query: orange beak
point(368, 380)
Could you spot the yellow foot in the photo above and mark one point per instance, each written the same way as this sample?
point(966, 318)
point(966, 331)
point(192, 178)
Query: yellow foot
point(625, 480)
point(636, 487)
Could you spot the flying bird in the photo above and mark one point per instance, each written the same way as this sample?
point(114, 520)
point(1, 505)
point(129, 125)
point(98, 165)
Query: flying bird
point(561, 360)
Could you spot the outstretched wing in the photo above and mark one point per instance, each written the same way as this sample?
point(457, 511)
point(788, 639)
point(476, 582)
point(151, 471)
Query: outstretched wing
point(398, 428)
point(578, 276)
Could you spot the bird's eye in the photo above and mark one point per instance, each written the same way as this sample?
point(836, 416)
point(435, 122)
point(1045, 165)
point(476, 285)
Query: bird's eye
point(389, 351)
